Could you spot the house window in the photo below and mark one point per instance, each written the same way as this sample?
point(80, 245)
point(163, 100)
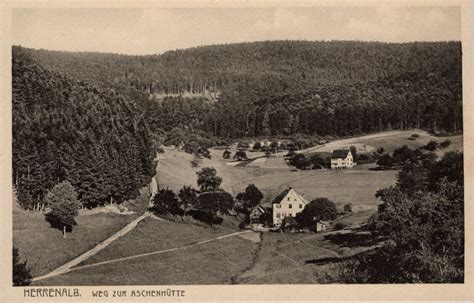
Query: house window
point(278, 215)
point(290, 206)
point(288, 198)
point(278, 206)
point(301, 206)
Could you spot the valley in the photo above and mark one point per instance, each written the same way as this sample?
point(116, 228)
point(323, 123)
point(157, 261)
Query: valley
point(266, 258)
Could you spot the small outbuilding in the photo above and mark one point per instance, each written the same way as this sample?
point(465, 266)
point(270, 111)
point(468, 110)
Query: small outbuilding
point(322, 226)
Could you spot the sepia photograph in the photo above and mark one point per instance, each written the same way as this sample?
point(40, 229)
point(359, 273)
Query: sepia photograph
point(207, 145)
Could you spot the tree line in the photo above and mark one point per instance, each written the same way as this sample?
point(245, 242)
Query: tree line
point(284, 87)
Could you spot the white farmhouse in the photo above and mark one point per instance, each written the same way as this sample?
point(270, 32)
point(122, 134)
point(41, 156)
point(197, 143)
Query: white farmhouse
point(341, 158)
point(287, 204)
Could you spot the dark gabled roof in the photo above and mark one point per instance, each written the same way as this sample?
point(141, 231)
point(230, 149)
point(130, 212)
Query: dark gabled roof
point(280, 197)
point(340, 153)
point(260, 209)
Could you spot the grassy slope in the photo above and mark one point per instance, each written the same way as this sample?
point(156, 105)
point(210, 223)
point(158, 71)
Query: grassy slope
point(388, 140)
point(357, 186)
point(153, 235)
point(44, 247)
point(288, 258)
point(218, 261)
point(210, 263)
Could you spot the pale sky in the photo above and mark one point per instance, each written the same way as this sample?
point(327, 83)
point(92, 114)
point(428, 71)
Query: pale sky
point(152, 31)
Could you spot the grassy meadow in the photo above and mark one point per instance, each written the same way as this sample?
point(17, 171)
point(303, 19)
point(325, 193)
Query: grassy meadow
point(277, 258)
point(45, 249)
point(215, 262)
point(300, 258)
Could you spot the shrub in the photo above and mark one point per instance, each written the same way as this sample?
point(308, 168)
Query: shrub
point(365, 158)
point(226, 154)
point(445, 143)
point(21, 273)
point(300, 161)
point(316, 210)
point(257, 145)
point(431, 146)
point(196, 160)
point(240, 155)
point(243, 145)
point(385, 161)
point(339, 226)
point(348, 208)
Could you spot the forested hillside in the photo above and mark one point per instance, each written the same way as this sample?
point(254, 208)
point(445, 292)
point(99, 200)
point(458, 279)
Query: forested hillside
point(94, 118)
point(64, 129)
point(283, 87)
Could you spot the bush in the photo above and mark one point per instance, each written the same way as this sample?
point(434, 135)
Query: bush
point(242, 145)
point(196, 160)
point(300, 161)
point(240, 155)
point(445, 143)
point(21, 273)
point(317, 210)
point(431, 146)
point(385, 161)
point(257, 146)
point(348, 208)
point(226, 154)
point(317, 162)
point(339, 226)
point(365, 158)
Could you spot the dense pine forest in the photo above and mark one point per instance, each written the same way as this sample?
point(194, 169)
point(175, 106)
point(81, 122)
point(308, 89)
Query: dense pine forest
point(95, 118)
point(64, 129)
point(283, 87)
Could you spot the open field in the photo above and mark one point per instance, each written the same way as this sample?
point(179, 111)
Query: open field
point(210, 263)
point(44, 247)
point(151, 235)
point(356, 186)
point(389, 140)
point(301, 258)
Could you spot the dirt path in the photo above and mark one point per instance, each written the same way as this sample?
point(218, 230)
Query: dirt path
point(159, 251)
point(65, 268)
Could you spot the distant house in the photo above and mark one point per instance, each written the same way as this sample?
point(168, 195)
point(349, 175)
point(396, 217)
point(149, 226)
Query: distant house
point(322, 226)
point(287, 204)
point(341, 158)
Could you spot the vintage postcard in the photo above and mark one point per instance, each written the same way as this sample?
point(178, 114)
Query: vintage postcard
point(195, 151)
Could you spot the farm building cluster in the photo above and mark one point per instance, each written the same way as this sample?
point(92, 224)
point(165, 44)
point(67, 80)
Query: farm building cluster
point(286, 205)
